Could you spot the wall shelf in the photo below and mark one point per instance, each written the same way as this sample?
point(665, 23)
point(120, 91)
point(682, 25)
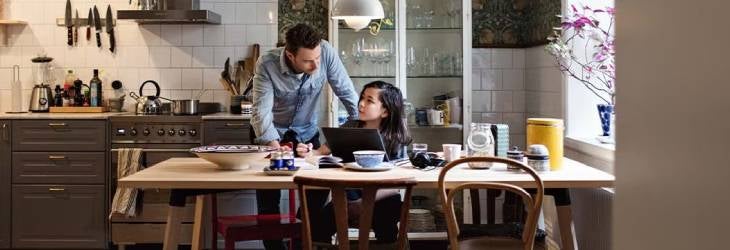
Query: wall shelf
point(3, 28)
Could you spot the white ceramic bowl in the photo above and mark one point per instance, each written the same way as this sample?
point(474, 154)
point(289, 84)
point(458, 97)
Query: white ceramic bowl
point(232, 157)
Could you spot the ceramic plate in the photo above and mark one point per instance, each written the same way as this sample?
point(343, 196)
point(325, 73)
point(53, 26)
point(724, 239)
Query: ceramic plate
point(268, 171)
point(385, 166)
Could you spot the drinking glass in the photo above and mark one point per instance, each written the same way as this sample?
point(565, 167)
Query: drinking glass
point(419, 148)
point(411, 61)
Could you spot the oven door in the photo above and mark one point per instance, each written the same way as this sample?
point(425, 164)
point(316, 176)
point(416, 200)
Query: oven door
point(149, 224)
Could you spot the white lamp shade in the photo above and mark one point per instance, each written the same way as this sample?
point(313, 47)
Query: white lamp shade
point(357, 23)
point(346, 9)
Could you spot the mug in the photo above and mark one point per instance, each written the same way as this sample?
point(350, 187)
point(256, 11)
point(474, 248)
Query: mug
point(451, 151)
point(246, 108)
point(435, 117)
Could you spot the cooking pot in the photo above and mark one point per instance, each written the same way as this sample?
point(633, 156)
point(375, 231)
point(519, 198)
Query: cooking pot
point(148, 105)
point(185, 107)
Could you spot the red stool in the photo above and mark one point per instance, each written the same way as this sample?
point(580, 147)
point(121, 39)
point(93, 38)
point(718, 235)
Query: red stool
point(255, 227)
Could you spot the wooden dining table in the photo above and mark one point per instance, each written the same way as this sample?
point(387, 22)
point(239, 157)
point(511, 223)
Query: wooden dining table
point(195, 173)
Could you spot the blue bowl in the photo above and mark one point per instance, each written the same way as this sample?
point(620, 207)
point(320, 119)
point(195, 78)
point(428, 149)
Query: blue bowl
point(369, 158)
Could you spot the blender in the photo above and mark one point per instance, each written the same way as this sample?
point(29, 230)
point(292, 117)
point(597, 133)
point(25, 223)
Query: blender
point(41, 97)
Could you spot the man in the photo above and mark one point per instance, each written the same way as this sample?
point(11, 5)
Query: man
point(286, 91)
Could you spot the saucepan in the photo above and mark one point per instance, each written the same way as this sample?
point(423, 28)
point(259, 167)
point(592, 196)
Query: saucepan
point(185, 106)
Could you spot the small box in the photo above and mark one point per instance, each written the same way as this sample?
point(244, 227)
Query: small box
point(501, 139)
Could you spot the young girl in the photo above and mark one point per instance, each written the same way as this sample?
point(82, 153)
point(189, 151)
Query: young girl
point(380, 107)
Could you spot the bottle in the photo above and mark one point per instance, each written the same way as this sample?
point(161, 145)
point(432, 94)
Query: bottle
point(95, 92)
point(57, 99)
point(69, 80)
point(16, 91)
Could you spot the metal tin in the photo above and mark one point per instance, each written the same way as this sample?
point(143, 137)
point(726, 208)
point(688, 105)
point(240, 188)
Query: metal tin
point(517, 155)
point(276, 161)
point(548, 132)
point(288, 160)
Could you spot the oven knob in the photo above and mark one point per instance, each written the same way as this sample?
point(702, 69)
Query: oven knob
point(146, 132)
point(171, 132)
point(161, 132)
point(181, 132)
point(193, 132)
point(133, 132)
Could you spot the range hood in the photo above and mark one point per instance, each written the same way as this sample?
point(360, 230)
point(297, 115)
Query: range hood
point(172, 12)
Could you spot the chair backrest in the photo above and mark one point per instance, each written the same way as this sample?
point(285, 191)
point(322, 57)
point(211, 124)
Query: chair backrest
point(532, 202)
point(339, 201)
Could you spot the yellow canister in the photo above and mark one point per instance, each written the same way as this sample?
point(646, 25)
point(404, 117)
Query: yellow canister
point(548, 132)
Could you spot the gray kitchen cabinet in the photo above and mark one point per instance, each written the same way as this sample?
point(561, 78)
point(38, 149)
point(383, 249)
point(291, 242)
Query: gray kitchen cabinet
point(5, 158)
point(58, 167)
point(59, 135)
point(57, 183)
point(221, 132)
point(58, 216)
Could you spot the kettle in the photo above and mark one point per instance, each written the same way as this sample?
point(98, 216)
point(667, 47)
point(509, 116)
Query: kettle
point(148, 105)
point(40, 98)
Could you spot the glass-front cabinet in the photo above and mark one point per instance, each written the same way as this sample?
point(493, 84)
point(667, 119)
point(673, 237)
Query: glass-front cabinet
point(423, 48)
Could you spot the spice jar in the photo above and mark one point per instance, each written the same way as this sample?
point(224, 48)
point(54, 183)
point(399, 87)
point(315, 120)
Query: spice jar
point(517, 155)
point(548, 132)
point(538, 157)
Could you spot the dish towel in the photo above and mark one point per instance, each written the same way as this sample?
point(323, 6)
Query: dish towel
point(125, 199)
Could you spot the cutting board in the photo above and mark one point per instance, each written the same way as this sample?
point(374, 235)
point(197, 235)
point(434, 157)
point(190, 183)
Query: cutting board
point(77, 109)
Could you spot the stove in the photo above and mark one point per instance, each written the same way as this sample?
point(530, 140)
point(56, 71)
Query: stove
point(160, 137)
point(155, 129)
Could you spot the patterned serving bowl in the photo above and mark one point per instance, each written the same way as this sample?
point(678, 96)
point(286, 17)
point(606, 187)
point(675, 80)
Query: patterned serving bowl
point(232, 157)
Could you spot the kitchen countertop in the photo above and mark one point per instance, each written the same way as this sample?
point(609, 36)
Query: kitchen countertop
point(226, 116)
point(50, 116)
point(106, 115)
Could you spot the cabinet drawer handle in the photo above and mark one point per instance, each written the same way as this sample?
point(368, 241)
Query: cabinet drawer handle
point(57, 124)
point(56, 189)
point(5, 132)
point(56, 157)
point(235, 124)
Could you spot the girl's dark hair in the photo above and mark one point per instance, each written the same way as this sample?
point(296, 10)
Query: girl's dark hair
point(392, 128)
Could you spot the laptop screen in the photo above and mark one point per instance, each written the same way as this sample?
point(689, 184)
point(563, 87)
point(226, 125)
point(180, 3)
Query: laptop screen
point(343, 141)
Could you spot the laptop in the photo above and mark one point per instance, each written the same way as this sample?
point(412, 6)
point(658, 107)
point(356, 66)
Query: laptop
point(343, 141)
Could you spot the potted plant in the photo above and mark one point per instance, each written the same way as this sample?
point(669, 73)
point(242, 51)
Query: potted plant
point(595, 67)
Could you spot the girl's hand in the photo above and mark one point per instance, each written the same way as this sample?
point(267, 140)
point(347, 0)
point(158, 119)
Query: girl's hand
point(304, 150)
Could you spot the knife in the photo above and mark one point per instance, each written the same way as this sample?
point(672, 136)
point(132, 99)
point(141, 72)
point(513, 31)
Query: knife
point(97, 26)
point(110, 27)
point(77, 23)
point(88, 25)
point(69, 24)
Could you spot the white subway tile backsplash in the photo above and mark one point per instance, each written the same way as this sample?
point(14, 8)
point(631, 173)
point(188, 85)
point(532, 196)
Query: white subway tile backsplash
point(266, 13)
point(518, 58)
point(160, 57)
point(181, 57)
point(513, 79)
point(203, 57)
point(171, 35)
point(491, 118)
point(502, 58)
point(481, 60)
point(492, 79)
point(246, 13)
point(8, 73)
point(170, 78)
point(214, 35)
point(220, 54)
point(502, 101)
point(518, 101)
point(192, 35)
point(227, 12)
point(481, 101)
point(192, 79)
point(516, 122)
point(235, 35)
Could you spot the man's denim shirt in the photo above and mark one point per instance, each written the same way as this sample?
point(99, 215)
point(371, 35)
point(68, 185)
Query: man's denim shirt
point(284, 100)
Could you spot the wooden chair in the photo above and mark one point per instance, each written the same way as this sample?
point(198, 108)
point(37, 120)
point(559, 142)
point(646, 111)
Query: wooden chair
point(532, 203)
point(339, 201)
point(254, 227)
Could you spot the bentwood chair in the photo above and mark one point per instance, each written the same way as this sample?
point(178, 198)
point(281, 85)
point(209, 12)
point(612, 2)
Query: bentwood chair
point(533, 203)
point(369, 189)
